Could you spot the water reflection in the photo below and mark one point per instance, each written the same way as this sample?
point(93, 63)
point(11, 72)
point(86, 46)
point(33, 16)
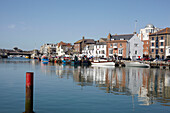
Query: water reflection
point(150, 85)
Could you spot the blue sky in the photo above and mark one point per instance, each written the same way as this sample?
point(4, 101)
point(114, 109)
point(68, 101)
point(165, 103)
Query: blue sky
point(28, 24)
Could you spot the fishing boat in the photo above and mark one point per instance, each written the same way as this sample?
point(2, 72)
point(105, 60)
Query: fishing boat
point(136, 64)
point(44, 59)
point(103, 62)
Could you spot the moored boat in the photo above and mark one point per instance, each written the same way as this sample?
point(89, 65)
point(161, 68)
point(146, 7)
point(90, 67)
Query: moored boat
point(103, 62)
point(44, 59)
point(27, 57)
point(136, 64)
point(108, 63)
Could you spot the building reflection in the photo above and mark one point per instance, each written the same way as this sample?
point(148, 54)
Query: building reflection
point(150, 85)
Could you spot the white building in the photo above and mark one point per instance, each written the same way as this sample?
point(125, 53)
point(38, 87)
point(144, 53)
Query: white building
point(100, 49)
point(88, 50)
point(135, 47)
point(63, 48)
point(149, 28)
point(48, 49)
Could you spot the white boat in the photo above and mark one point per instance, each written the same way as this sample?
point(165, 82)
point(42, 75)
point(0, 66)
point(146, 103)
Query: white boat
point(103, 66)
point(103, 63)
point(136, 64)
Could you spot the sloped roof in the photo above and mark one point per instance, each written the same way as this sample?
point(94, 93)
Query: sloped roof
point(123, 36)
point(104, 39)
point(163, 31)
point(100, 43)
point(64, 44)
point(86, 41)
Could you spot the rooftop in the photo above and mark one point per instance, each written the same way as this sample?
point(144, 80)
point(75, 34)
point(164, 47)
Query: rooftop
point(163, 31)
point(123, 36)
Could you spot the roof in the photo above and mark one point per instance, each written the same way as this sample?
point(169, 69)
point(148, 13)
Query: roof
point(100, 43)
point(64, 44)
point(86, 41)
point(149, 26)
point(163, 31)
point(104, 39)
point(123, 36)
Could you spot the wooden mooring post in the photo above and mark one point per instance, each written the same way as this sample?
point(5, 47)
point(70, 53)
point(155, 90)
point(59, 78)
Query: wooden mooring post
point(29, 92)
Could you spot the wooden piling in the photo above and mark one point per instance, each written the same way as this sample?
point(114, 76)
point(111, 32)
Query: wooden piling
point(29, 92)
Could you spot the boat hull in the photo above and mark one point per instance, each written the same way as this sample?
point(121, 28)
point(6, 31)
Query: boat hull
point(136, 64)
point(103, 63)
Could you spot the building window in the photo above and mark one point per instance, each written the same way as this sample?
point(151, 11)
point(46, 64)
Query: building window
point(157, 44)
point(161, 43)
point(152, 50)
point(136, 52)
point(111, 45)
point(162, 38)
point(152, 38)
point(120, 51)
point(156, 51)
point(152, 44)
point(162, 56)
point(161, 50)
point(102, 52)
point(110, 51)
point(136, 45)
point(120, 45)
point(156, 38)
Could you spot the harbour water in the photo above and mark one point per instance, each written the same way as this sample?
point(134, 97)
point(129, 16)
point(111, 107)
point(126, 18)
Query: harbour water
point(70, 89)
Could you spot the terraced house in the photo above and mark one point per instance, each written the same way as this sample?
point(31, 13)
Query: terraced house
point(118, 46)
point(159, 44)
point(80, 45)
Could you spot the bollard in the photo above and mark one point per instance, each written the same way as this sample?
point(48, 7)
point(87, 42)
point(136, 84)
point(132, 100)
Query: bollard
point(29, 92)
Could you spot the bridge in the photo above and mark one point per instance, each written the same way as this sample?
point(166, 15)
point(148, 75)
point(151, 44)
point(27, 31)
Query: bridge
point(20, 53)
point(5, 53)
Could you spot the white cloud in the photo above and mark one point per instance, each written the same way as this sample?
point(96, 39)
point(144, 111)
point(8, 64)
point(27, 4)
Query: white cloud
point(12, 26)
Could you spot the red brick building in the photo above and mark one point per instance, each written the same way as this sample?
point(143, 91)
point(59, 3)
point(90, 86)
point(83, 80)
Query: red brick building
point(159, 44)
point(80, 44)
point(117, 45)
